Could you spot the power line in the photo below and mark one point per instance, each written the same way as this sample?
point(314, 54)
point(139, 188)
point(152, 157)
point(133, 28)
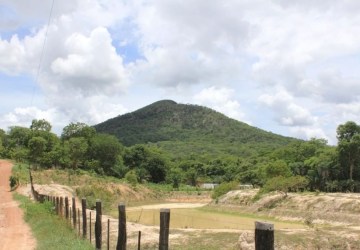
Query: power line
point(42, 50)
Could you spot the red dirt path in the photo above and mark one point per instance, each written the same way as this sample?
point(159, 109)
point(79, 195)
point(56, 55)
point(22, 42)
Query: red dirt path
point(14, 232)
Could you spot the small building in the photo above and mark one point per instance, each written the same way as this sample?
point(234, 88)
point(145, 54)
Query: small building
point(245, 186)
point(208, 185)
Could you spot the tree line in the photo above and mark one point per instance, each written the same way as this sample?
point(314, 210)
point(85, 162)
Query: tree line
point(300, 165)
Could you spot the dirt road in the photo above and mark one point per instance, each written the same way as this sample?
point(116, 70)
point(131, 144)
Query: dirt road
point(14, 232)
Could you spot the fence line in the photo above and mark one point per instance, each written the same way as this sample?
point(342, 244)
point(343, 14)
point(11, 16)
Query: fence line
point(72, 214)
point(264, 232)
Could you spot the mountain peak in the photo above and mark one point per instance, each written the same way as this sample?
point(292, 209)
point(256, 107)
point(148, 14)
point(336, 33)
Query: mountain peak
point(167, 121)
point(164, 102)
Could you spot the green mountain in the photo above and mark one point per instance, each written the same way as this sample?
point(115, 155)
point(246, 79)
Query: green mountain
point(184, 130)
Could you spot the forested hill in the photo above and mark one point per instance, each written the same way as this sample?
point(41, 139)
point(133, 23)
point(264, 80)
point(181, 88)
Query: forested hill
point(198, 128)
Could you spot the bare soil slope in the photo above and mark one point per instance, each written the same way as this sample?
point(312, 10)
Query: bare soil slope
point(14, 232)
point(320, 208)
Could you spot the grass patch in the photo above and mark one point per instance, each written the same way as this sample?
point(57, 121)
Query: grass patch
point(109, 190)
point(223, 188)
point(21, 171)
point(96, 192)
point(50, 231)
point(200, 218)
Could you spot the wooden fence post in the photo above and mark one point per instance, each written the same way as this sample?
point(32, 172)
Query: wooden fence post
point(122, 237)
point(66, 207)
point(62, 206)
point(90, 227)
point(264, 236)
point(139, 241)
point(164, 229)
point(98, 226)
point(74, 211)
point(83, 207)
point(57, 207)
point(79, 219)
point(108, 234)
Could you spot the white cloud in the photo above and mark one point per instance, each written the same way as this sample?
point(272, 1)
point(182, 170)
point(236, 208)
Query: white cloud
point(91, 65)
point(221, 100)
point(296, 36)
point(345, 112)
point(24, 116)
point(335, 88)
point(9, 64)
point(308, 132)
point(297, 41)
point(80, 63)
point(286, 111)
point(186, 44)
point(91, 111)
point(18, 14)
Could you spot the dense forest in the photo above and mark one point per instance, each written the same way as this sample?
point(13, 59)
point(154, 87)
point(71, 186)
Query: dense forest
point(191, 145)
point(183, 130)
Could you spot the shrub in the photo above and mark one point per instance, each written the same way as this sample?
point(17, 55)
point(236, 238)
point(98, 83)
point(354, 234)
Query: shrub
point(223, 188)
point(95, 192)
point(132, 178)
point(285, 184)
point(14, 182)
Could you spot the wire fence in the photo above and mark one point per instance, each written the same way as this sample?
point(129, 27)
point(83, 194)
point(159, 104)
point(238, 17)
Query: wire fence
point(100, 230)
point(108, 233)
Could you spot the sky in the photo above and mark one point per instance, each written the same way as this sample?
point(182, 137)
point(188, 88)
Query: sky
point(289, 67)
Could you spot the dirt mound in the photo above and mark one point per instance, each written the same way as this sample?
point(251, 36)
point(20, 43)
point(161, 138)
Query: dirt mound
point(51, 189)
point(307, 207)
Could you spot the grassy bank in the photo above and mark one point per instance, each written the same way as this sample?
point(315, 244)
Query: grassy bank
point(111, 191)
point(50, 231)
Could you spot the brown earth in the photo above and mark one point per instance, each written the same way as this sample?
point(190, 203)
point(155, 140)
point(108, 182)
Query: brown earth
point(320, 208)
point(14, 232)
point(332, 218)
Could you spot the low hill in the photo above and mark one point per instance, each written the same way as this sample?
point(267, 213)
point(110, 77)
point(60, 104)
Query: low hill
point(184, 129)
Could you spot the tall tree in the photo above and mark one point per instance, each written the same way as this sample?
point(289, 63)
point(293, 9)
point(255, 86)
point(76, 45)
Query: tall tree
point(40, 125)
point(148, 163)
point(18, 137)
point(348, 136)
point(78, 129)
point(37, 147)
point(106, 149)
point(77, 150)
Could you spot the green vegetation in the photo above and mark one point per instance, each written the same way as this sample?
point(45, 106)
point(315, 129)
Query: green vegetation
point(21, 172)
point(223, 188)
point(285, 184)
point(177, 144)
point(183, 130)
point(50, 231)
point(349, 148)
point(14, 182)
